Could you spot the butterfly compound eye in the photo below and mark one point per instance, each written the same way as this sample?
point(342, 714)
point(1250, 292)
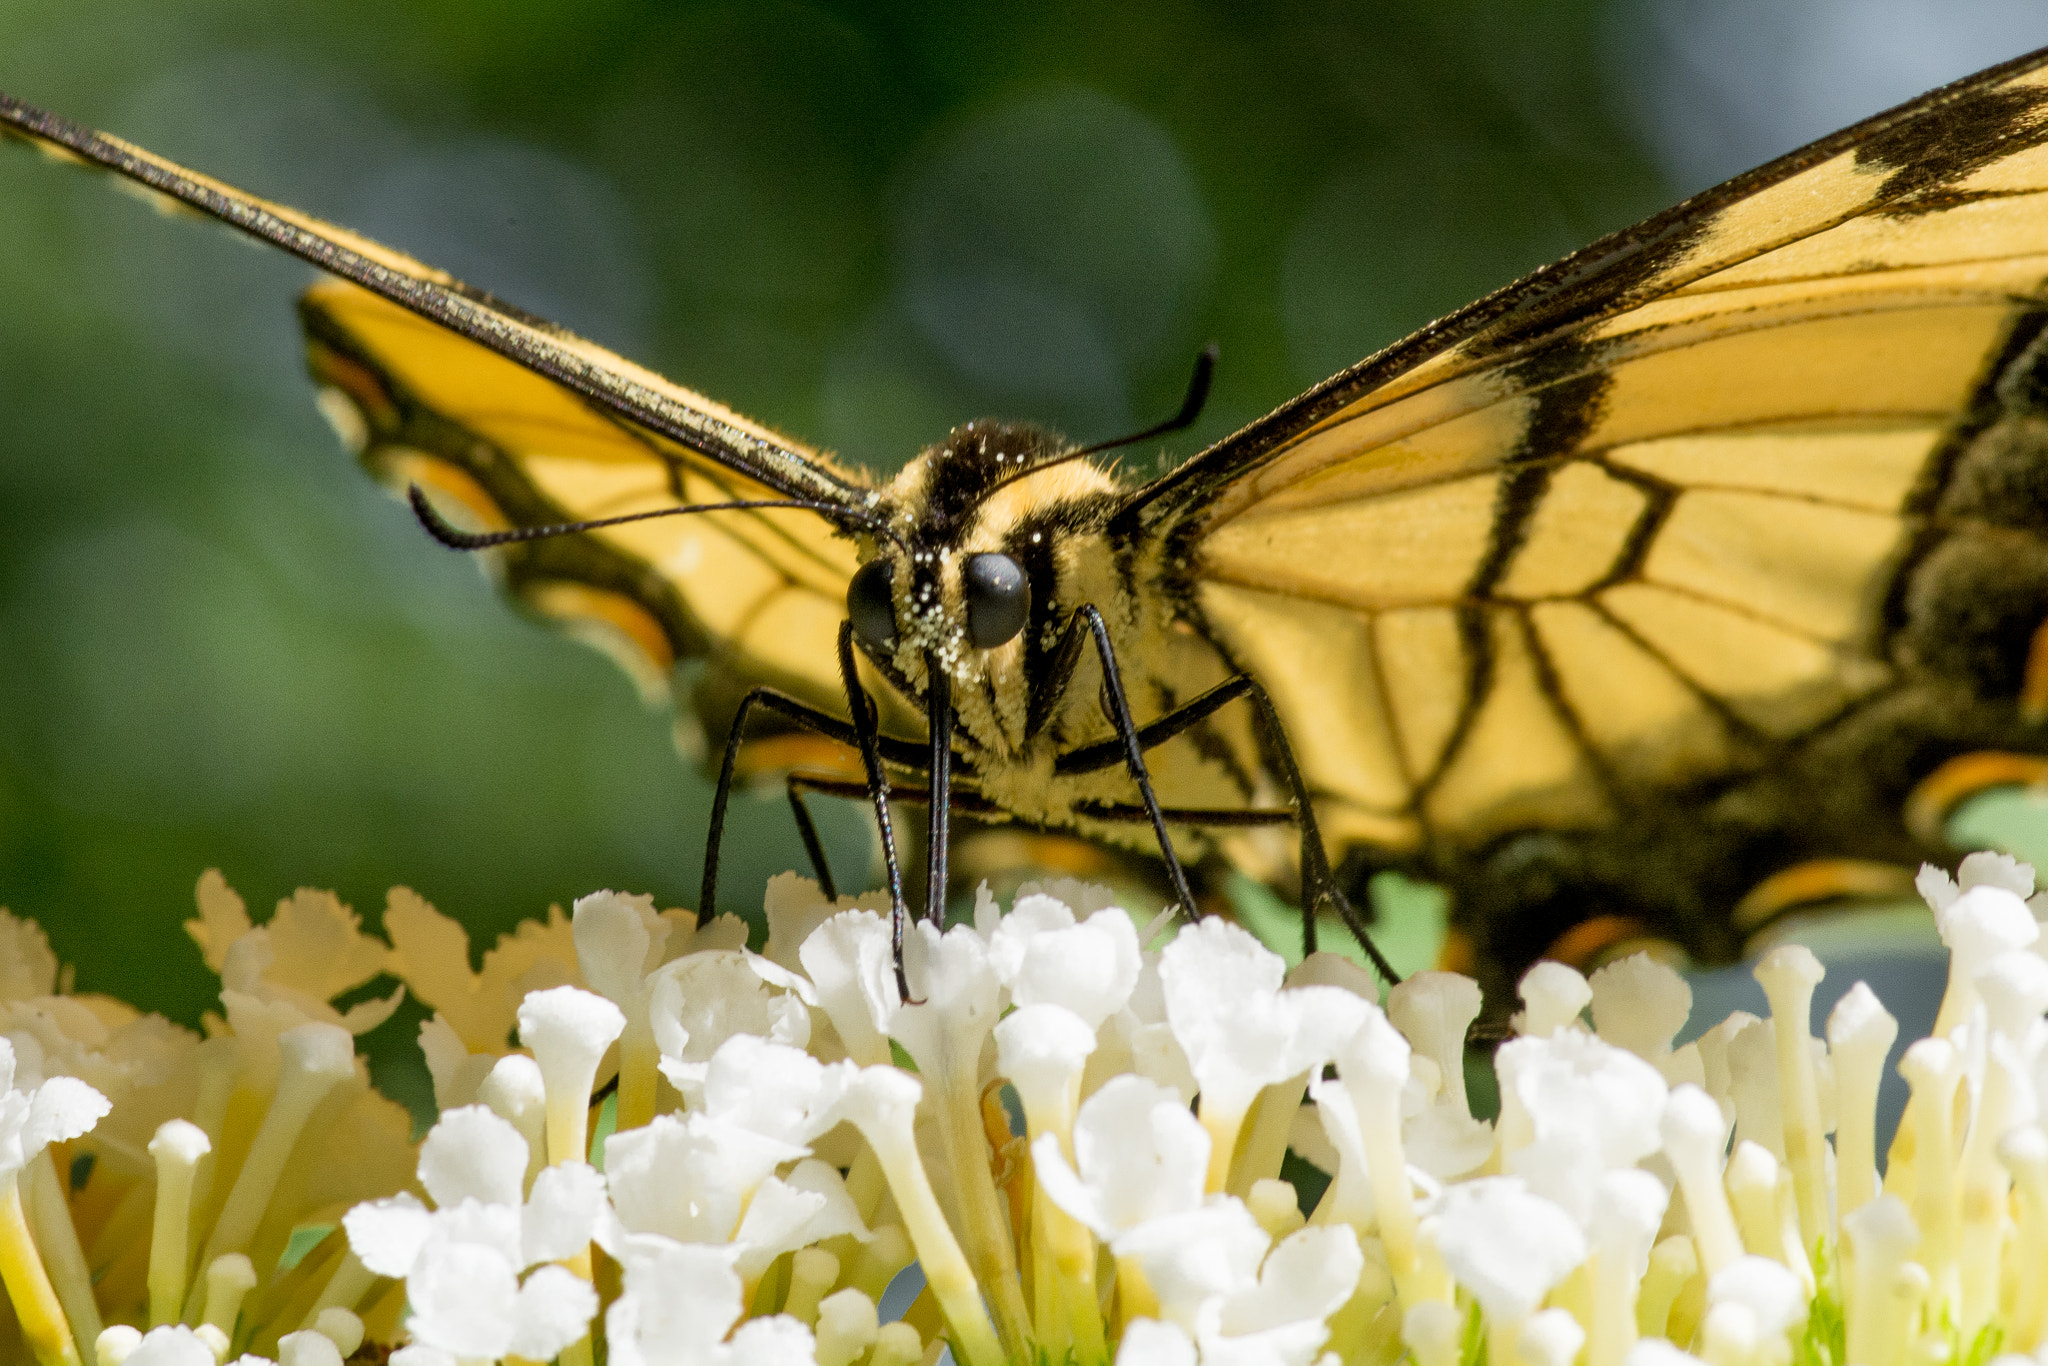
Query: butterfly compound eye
point(871, 603)
point(998, 599)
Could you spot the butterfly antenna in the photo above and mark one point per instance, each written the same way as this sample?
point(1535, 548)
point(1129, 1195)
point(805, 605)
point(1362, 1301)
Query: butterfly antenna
point(1190, 408)
point(439, 528)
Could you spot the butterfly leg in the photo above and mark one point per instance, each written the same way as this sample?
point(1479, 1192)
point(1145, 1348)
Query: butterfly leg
point(867, 725)
point(801, 713)
point(807, 831)
point(1118, 709)
point(1318, 883)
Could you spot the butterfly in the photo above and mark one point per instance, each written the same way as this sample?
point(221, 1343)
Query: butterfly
point(1687, 581)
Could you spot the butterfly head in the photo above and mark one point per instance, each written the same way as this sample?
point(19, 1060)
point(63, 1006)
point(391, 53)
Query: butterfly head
point(974, 564)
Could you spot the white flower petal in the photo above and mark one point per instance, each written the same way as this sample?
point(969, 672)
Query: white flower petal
point(555, 1308)
point(678, 1301)
point(472, 1154)
point(171, 1345)
point(1140, 1156)
point(774, 1090)
point(464, 1299)
point(1152, 1342)
point(387, 1235)
point(414, 1354)
point(1773, 1295)
point(1306, 1278)
point(62, 1108)
point(837, 958)
point(673, 1177)
point(562, 1214)
point(1192, 1259)
point(1505, 1245)
point(778, 1340)
point(307, 1348)
point(1043, 957)
point(490, 1226)
point(618, 941)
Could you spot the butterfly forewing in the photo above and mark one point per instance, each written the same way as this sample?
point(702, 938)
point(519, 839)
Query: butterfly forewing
point(1650, 532)
point(757, 594)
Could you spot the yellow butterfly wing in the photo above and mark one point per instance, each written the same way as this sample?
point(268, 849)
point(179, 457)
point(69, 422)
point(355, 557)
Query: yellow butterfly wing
point(1678, 561)
point(757, 595)
point(508, 420)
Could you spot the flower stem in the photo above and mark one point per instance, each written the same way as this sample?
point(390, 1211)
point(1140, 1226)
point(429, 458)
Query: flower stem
point(28, 1286)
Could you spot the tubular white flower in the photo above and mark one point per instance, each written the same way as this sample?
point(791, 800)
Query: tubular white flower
point(177, 1148)
point(1627, 1208)
point(1860, 1037)
point(1508, 1247)
point(1550, 1337)
point(1640, 1004)
point(1774, 1298)
point(957, 998)
point(1141, 1156)
point(1374, 1067)
point(1592, 1108)
point(882, 1104)
point(1983, 922)
point(840, 957)
point(1788, 975)
point(1044, 957)
point(568, 1030)
point(1042, 1050)
point(1695, 1135)
point(1433, 1011)
point(1881, 1236)
point(619, 941)
point(1552, 997)
point(1241, 1031)
point(1934, 1068)
point(516, 1092)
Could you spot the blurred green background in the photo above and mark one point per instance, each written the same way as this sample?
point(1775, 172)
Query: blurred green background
point(220, 646)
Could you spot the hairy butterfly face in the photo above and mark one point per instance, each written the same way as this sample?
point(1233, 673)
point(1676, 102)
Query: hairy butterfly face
point(980, 582)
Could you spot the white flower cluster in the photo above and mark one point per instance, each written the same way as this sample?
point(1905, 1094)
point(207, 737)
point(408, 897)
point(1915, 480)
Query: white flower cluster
point(697, 1155)
point(1081, 1142)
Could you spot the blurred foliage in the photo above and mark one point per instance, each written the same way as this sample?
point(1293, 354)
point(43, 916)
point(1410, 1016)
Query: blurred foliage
point(220, 646)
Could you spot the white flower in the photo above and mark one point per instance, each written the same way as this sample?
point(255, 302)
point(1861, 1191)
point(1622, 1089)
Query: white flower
point(697, 1003)
point(1044, 957)
point(47, 1111)
point(1592, 1107)
point(680, 1302)
point(840, 956)
point(1506, 1245)
point(462, 1261)
point(1141, 1157)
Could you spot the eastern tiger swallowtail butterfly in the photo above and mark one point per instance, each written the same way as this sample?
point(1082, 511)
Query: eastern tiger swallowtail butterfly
point(1691, 578)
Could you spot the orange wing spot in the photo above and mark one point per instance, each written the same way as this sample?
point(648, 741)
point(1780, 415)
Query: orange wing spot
point(614, 625)
point(1930, 804)
point(356, 380)
point(1817, 880)
point(1458, 953)
point(453, 492)
point(1585, 944)
point(2034, 685)
point(817, 755)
